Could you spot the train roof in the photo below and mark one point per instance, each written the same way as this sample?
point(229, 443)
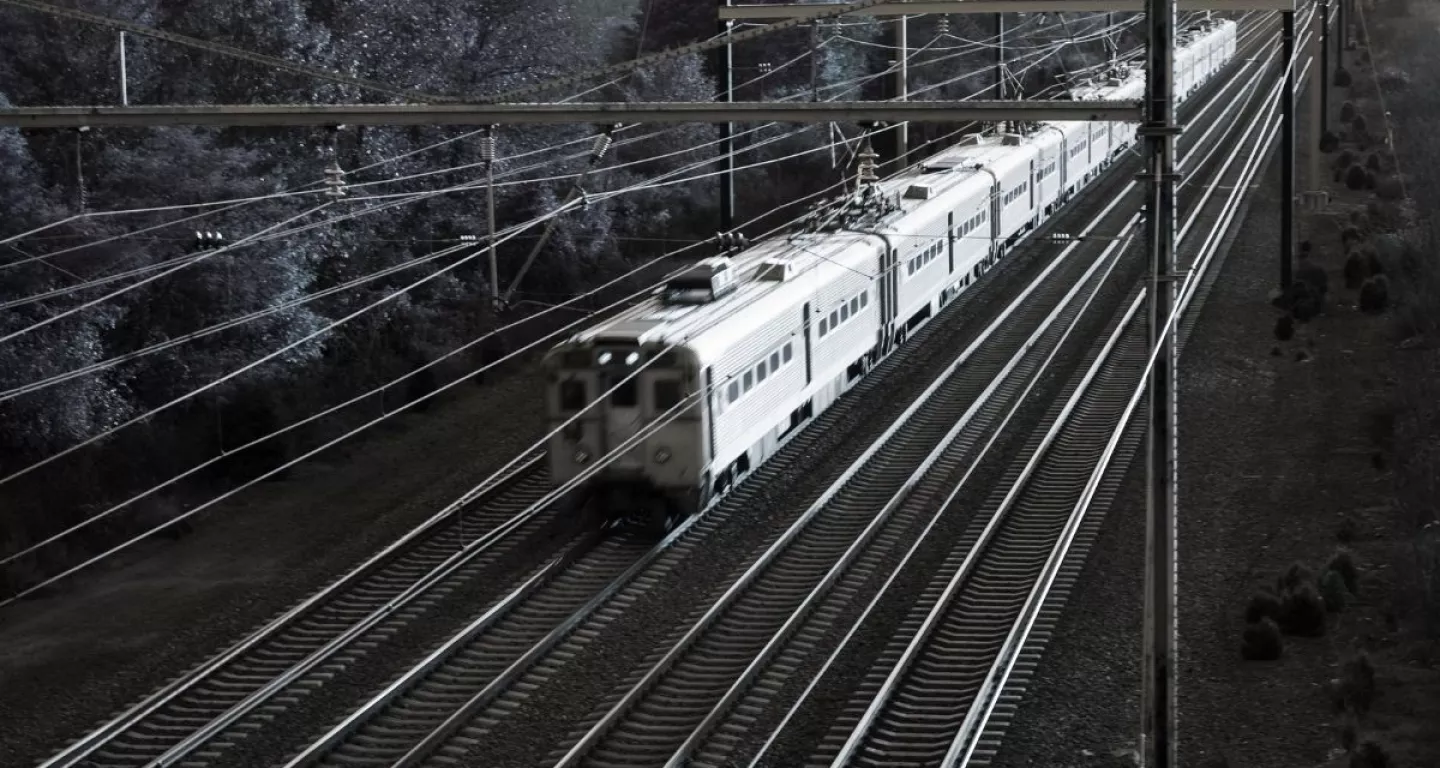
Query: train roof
point(769, 279)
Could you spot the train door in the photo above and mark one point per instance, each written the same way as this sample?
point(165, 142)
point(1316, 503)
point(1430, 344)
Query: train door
point(623, 417)
point(950, 240)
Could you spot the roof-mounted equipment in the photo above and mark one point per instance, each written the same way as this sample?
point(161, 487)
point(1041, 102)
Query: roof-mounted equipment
point(709, 280)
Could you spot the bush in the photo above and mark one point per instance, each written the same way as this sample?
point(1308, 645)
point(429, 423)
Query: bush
point(1332, 589)
point(1302, 612)
point(1343, 563)
point(1359, 124)
point(1373, 265)
point(1315, 277)
point(1349, 733)
point(1357, 684)
point(1343, 80)
point(1355, 270)
point(1305, 302)
point(1369, 179)
point(1263, 605)
point(1369, 755)
point(1355, 178)
point(1373, 161)
point(1284, 328)
point(1329, 142)
point(1375, 294)
point(1294, 576)
point(1388, 188)
point(1262, 641)
point(1350, 235)
point(1347, 531)
point(1359, 221)
point(1345, 159)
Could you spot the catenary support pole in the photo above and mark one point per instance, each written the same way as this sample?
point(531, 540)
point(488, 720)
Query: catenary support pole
point(902, 86)
point(725, 56)
point(1324, 76)
point(1160, 130)
point(1287, 148)
point(487, 152)
point(1000, 56)
point(124, 78)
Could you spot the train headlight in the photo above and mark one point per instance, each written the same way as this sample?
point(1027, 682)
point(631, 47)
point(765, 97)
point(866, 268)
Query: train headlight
point(632, 358)
point(662, 455)
point(582, 456)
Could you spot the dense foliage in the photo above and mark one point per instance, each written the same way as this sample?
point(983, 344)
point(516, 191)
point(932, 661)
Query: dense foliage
point(460, 49)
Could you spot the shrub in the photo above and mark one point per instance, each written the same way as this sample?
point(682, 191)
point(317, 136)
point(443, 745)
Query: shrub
point(1359, 124)
point(1388, 188)
point(1262, 641)
point(1262, 605)
point(1343, 563)
point(1355, 178)
point(1375, 294)
point(1294, 576)
point(1332, 589)
point(1305, 301)
point(1350, 235)
point(1357, 684)
point(1329, 142)
point(1302, 612)
point(1355, 270)
point(1359, 220)
point(1373, 265)
point(1343, 80)
point(1345, 159)
point(1369, 179)
point(1369, 755)
point(1315, 277)
point(1373, 161)
point(1284, 328)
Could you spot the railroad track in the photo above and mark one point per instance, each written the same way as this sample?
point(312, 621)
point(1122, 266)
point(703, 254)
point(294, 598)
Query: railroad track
point(944, 690)
point(322, 635)
point(960, 412)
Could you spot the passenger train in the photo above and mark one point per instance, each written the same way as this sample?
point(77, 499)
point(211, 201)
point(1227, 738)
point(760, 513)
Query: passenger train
point(738, 353)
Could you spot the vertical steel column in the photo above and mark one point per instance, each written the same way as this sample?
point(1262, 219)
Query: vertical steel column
point(1000, 56)
point(1324, 75)
point(902, 86)
point(1160, 130)
point(725, 59)
point(1287, 147)
point(124, 77)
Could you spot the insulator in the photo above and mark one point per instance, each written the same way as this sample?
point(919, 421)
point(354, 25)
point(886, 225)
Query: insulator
point(602, 145)
point(943, 26)
point(487, 147)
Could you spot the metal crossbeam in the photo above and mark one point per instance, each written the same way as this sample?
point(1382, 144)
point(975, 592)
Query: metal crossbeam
point(597, 112)
point(914, 7)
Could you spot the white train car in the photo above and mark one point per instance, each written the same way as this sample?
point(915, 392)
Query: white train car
point(715, 372)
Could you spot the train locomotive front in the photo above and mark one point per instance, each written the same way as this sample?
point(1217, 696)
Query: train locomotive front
point(631, 424)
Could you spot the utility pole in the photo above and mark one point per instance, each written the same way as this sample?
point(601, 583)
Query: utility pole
point(1287, 147)
point(1324, 77)
point(902, 86)
point(124, 80)
point(1000, 56)
point(487, 153)
point(1315, 196)
point(1160, 131)
point(725, 56)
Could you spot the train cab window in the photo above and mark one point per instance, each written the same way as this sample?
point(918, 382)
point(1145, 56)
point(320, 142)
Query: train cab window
point(787, 352)
point(572, 395)
point(626, 395)
point(667, 395)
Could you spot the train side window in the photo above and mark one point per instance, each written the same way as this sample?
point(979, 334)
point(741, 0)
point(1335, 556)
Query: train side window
point(749, 380)
point(667, 394)
point(864, 298)
point(844, 312)
point(834, 318)
point(572, 395)
point(761, 371)
point(775, 360)
point(823, 328)
point(734, 391)
point(626, 395)
point(787, 352)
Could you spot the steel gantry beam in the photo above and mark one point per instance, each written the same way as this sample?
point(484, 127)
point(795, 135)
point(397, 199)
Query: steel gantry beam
point(596, 112)
point(915, 7)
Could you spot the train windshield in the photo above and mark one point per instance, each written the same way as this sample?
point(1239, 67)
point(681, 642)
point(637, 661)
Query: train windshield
point(572, 395)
